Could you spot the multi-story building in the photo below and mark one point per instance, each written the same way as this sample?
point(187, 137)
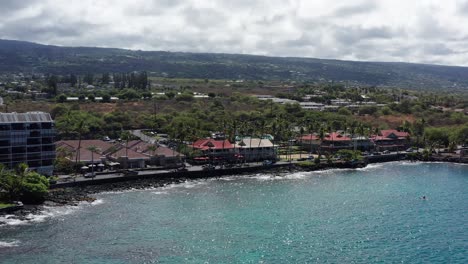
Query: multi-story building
point(28, 138)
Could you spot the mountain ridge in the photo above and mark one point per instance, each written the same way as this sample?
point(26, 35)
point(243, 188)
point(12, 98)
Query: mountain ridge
point(22, 56)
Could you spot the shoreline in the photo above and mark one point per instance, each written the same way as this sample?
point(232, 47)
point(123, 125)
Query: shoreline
point(77, 195)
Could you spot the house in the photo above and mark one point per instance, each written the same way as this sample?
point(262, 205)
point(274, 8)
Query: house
point(335, 141)
point(159, 155)
point(212, 149)
point(362, 143)
point(256, 149)
point(312, 106)
point(391, 140)
point(127, 158)
point(134, 154)
point(310, 142)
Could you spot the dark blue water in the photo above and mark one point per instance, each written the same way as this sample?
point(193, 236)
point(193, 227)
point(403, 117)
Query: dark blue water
point(341, 216)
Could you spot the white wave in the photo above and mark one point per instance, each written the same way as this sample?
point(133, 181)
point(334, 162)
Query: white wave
point(47, 212)
point(230, 178)
point(372, 166)
point(97, 202)
point(331, 171)
point(5, 244)
point(271, 177)
point(11, 220)
point(159, 192)
point(128, 190)
point(409, 163)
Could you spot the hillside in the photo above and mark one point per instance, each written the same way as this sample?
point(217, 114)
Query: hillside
point(19, 56)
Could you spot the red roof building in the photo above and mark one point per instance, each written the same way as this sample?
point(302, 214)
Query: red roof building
point(334, 137)
point(335, 141)
point(213, 145)
point(391, 139)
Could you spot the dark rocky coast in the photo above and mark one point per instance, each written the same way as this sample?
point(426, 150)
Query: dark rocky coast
point(73, 196)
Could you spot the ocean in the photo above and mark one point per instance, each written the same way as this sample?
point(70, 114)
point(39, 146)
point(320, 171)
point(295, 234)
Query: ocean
point(370, 215)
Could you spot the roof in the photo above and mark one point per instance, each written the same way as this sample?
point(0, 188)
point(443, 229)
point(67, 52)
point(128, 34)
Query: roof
point(388, 133)
point(137, 149)
point(85, 155)
point(309, 137)
point(205, 144)
point(144, 147)
point(86, 143)
point(130, 153)
point(334, 136)
point(25, 117)
point(254, 143)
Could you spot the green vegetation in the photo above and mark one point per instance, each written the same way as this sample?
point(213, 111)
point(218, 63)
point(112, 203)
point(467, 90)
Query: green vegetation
point(21, 184)
point(5, 205)
point(20, 56)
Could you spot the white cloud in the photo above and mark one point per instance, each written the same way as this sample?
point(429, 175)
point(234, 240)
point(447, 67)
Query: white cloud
point(387, 30)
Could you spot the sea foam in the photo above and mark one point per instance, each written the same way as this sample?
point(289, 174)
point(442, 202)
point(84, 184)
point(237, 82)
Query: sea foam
point(46, 212)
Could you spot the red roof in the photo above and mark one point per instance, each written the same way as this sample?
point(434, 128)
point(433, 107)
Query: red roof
point(309, 137)
point(388, 133)
point(336, 137)
point(205, 144)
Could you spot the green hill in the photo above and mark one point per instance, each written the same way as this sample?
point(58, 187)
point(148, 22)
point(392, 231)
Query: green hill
point(19, 56)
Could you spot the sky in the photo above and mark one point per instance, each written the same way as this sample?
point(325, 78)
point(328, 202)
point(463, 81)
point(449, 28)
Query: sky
point(419, 31)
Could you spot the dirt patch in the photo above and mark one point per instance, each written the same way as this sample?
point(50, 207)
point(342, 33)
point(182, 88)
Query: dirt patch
point(390, 121)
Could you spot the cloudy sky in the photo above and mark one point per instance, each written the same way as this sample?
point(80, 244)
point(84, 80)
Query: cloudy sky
point(425, 31)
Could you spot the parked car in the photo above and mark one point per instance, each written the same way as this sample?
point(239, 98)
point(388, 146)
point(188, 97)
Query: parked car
point(90, 175)
point(410, 150)
point(386, 152)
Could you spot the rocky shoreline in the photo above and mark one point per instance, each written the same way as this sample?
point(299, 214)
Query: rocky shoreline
point(73, 196)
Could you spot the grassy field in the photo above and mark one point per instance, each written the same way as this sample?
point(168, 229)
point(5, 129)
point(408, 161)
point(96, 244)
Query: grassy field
point(5, 205)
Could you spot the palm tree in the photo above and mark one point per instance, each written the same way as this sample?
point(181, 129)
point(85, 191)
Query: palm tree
point(81, 129)
point(301, 133)
point(321, 137)
point(126, 136)
point(93, 149)
point(152, 148)
point(310, 129)
point(261, 129)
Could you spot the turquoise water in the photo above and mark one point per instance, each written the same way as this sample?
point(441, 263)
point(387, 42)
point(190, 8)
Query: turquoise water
point(370, 215)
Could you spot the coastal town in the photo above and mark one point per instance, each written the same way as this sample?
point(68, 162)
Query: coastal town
point(233, 131)
point(147, 128)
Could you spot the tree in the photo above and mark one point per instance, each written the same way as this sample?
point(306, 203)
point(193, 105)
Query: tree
point(62, 98)
point(52, 84)
point(88, 78)
point(27, 186)
point(34, 188)
point(105, 78)
point(106, 98)
point(92, 149)
point(126, 136)
point(81, 129)
point(170, 95)
point(187, 97)
point(73, 80)
point(348, 155)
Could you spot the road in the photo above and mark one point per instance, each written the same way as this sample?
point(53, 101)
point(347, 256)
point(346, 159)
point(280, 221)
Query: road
point(139, 134)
